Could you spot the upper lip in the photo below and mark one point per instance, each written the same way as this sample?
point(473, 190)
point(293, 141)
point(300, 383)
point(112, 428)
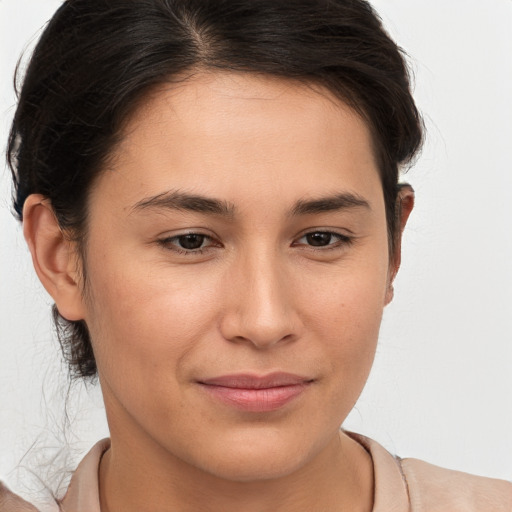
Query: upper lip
point(253, 381)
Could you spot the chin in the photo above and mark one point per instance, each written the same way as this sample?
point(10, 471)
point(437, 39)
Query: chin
point(255, 468)
point(267, 455)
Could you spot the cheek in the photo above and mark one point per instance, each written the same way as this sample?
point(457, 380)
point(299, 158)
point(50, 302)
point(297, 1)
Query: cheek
point(145, 329)
point(142, 319)
point(345, 314)
point(347, 301)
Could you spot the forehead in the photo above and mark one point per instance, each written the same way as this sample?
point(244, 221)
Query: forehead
point(225, 133)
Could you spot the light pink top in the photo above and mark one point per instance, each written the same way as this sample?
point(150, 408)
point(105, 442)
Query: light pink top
point(401, 485)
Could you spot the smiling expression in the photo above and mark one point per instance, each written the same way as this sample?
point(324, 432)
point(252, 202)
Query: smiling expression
point(237, 266)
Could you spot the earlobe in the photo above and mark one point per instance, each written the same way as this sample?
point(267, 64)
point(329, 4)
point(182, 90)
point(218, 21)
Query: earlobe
point(390, 293)
point(404, 206)
point(53, 256)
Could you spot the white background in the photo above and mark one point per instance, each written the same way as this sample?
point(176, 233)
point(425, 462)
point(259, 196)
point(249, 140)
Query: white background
point(442, 382)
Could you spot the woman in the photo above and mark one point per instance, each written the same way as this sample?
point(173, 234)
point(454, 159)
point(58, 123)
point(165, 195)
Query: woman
point(209, 191)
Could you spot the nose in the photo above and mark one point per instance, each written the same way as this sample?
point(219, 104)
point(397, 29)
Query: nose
point(260, 304)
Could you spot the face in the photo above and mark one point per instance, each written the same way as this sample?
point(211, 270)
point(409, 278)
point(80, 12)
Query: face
point(237, 267)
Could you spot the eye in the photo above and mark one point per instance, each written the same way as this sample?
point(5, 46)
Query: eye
point(188, 243)
point(191, 242)
point(318, 239)
point(326, 239)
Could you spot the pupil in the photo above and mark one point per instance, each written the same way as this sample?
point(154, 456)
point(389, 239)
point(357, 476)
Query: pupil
point(319, 239)
point(191, 241)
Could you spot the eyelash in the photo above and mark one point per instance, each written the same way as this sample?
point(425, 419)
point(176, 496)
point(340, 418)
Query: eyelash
point(342, 240)
point(169, 242)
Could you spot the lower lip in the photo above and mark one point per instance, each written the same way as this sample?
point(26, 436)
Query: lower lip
point(256, 400)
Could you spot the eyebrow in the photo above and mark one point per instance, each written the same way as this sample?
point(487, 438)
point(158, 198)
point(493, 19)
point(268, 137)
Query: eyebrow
point(336, 202)
point(177, 200)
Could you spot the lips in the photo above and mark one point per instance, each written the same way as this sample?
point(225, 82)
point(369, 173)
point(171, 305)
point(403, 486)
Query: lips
point(256, 393)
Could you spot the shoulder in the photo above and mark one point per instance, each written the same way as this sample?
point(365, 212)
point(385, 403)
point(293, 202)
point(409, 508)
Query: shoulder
point(411, 485)
point(82, 493)
point(10, 502)
point(434, 489)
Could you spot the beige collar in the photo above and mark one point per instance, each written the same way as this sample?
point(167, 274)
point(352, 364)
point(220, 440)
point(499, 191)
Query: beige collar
point(390, 487)
point(83, 493)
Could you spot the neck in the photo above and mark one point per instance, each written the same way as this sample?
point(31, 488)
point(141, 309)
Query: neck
point(141, 477)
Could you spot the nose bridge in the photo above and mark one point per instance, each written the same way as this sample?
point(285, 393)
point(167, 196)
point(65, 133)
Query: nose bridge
point(261, 307)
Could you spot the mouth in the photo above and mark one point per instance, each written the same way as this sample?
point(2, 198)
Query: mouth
point(256, 393)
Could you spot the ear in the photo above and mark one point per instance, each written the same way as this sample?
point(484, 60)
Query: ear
point(404, 206)
point(54, 257)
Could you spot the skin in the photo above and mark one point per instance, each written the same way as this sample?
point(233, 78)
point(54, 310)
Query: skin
point(256, 297)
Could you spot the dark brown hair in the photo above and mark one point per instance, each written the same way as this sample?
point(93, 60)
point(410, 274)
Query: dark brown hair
point(96, 59)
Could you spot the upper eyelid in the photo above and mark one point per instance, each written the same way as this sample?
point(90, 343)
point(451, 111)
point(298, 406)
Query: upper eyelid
point(187, 231)
point(176, 237)
point(179, 235)
point(341, 239)
point(346, 233)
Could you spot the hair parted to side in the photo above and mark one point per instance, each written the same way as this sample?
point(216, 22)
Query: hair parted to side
point(97, 59)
